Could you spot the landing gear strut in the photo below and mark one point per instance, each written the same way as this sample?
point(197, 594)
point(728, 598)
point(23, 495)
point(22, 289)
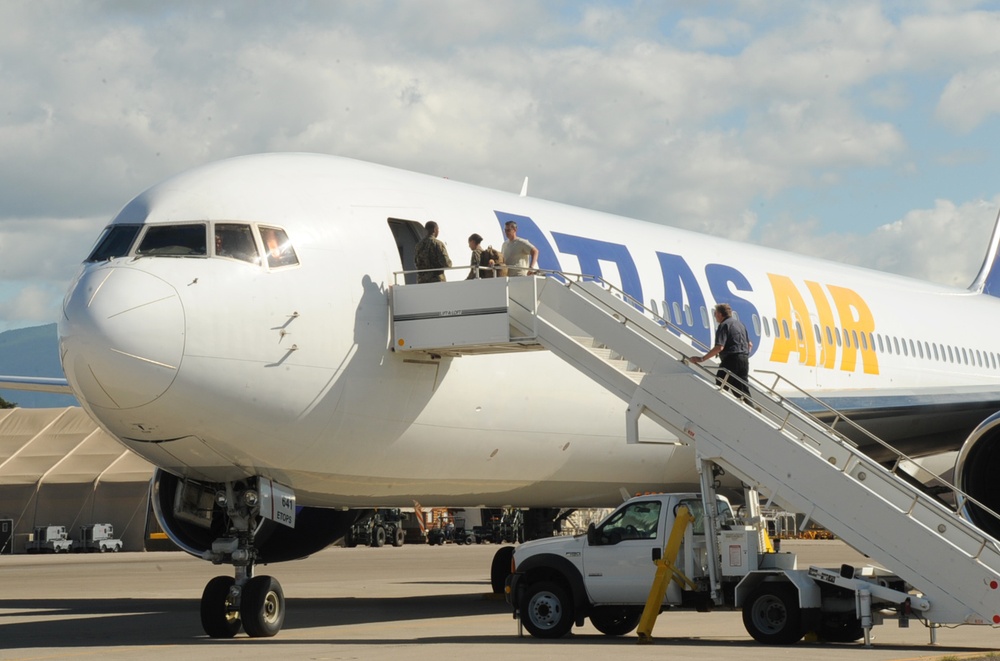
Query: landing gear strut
point(255, 603)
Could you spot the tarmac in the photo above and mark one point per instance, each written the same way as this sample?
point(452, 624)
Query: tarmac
point(414, 602)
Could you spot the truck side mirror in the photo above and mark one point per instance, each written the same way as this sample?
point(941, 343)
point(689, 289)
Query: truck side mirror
point(592, 534)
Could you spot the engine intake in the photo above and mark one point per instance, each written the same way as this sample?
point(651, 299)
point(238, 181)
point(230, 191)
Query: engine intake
point(977, 469)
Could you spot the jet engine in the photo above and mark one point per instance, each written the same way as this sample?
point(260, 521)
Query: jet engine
point(976, 473)
point(188, 513)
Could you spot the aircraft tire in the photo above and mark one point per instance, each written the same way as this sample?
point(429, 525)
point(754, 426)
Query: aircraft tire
point(216, 619)
point(263, 607)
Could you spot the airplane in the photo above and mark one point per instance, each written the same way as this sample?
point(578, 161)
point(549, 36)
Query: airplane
point(232, 326)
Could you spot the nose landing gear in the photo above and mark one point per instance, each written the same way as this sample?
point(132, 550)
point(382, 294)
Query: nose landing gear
point(255, 603)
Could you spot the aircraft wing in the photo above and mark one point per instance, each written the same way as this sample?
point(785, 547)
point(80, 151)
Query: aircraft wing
point(36, 384)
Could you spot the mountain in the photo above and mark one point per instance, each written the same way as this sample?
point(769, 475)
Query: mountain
point(32, 352)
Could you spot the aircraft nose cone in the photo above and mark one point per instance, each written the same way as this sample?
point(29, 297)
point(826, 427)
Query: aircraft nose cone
point(122, 337)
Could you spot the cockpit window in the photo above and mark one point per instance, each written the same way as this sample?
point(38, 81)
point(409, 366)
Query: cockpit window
point(116, 241)
point(173, 241)
point(235, 241)
point(278, 248)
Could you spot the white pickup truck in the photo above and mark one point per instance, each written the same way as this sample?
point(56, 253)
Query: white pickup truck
point(606, 575)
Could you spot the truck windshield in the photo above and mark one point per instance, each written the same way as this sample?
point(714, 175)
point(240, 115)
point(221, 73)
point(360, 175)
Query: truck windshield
point(634, 521)
point(722, 510)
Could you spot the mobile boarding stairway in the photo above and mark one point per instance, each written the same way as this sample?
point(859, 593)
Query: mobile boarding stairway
point(788, 455)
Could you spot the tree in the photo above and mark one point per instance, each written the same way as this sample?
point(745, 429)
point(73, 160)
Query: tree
point(4, 404)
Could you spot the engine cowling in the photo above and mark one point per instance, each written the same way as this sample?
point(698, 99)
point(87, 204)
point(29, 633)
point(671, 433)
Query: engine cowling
point(193, 521)
point(977, 473)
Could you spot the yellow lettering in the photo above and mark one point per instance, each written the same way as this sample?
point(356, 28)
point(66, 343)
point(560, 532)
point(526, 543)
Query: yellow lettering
point(791, 307)
point(855, 316)
point(828, 358)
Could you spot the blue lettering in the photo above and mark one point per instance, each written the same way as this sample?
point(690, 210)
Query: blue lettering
point(680, 287)
point(527, 229)
point(720, 277)
point(591, 252)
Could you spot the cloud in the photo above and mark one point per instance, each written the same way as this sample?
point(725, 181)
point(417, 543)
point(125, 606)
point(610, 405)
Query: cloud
point(687, 116)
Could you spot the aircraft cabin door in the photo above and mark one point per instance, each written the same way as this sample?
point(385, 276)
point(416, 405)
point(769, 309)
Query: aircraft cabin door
point(407, 233)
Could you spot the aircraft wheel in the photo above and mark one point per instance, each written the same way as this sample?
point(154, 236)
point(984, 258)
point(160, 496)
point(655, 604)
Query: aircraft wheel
point(547, 611)
point(262, 607)
point(217, 619)
point(772, 616)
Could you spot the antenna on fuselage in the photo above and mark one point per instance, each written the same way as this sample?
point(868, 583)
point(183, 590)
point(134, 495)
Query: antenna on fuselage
point(524, 188)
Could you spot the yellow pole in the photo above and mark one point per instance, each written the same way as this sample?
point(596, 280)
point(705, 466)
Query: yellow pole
point(665, 572)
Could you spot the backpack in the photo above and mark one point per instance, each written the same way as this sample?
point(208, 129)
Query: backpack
point(492, 253)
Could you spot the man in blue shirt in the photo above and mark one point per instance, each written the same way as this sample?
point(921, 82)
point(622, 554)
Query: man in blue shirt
point(732, 345)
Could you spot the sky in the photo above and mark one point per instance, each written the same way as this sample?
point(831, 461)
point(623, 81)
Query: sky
point(862, 132)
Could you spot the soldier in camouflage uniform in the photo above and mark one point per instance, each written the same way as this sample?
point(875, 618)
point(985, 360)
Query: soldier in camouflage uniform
point(430, 253)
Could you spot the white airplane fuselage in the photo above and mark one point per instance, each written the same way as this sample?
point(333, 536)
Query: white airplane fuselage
point(218, 369)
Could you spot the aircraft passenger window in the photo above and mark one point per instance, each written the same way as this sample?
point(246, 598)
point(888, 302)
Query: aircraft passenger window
point(115, 241)
point(704, 317)
point(913, 351)
point(847, 338)
point(965, 357)
point(951, 356)
point(881, 347)
point(766, 326)
point(784, 327)
point(979, 358)
point(798, 330)
point(920, 349)
point(279, 249)
point(677, 313)
point(837, 333)
point(235, 241)
point(854, 336)
point(864, 341)
point(756, 324)
point(817, 334)
point(936, 357)
point(928, 348)
point(871, 340)
point(174, 241)
point(895, 342)
point(829, 336)
point(652, 306)
point(993, 359)
point(688, 317)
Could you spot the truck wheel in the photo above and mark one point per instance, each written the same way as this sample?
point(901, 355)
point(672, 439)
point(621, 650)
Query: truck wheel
point(378, 537)
point(772, 616)
point(398, 537)
point(615, 620)
point(546, 611)
point(500, 569)
point(263, 607)
point(216, 618)
point(845, 630)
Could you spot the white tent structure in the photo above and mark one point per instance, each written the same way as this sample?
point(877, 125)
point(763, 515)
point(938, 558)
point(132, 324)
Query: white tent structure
point(57, 467)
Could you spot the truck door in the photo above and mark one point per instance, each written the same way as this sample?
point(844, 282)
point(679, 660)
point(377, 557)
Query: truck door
point(618, 568)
